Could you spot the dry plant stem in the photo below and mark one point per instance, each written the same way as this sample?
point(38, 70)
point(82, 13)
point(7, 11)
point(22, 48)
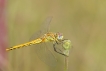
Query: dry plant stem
point(66, 63)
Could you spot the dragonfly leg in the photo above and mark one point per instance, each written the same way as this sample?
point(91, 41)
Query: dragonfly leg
point(55, 49)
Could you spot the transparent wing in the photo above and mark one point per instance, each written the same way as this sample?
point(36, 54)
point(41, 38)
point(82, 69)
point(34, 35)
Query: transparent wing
point(44, 50)
point(45, 53)
point(46, 26)
point(43, 30)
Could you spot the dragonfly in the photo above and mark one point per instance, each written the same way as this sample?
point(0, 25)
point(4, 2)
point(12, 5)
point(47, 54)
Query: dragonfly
point(44, 36)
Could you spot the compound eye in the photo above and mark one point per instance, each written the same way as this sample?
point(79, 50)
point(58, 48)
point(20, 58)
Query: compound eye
point(59, 36)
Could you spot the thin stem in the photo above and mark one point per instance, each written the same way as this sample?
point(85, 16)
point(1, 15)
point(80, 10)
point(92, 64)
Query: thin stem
point(66, 63)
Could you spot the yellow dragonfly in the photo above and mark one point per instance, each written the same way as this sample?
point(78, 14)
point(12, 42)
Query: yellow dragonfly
point(44, 36)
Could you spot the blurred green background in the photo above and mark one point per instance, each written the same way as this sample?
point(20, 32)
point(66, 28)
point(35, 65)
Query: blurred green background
point(83, 22)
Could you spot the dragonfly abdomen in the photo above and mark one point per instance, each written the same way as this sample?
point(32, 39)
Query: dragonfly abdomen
point(25, 44)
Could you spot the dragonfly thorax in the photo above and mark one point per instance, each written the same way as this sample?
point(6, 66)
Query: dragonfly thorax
point(52, 37)
point(49, 37)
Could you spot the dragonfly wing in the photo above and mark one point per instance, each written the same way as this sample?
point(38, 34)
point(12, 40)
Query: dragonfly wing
point(44, 52)
point(41, 49)
point(36, 35)
point(43, 30)
point(46, 26)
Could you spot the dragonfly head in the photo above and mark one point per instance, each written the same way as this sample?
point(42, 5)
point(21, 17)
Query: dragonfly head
point(59, 36)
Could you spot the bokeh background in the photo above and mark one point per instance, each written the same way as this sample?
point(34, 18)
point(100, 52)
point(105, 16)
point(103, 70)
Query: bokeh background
point(83, 22)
